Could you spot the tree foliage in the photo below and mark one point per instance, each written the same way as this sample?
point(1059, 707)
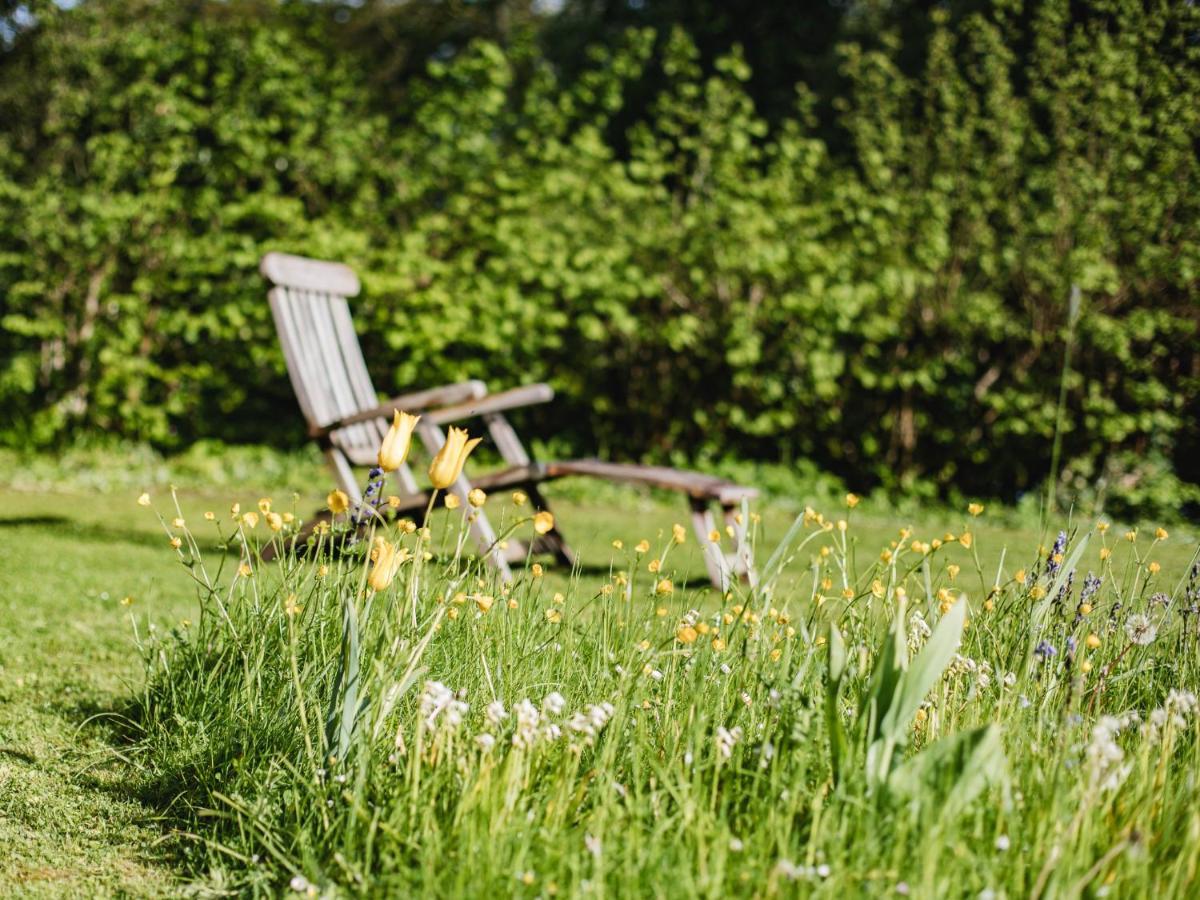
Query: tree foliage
point(876, 278)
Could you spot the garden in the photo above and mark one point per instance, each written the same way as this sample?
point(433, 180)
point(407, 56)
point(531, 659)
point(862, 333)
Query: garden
point(921, 276)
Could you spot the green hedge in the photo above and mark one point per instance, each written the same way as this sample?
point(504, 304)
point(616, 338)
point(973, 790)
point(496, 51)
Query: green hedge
point(885, 294)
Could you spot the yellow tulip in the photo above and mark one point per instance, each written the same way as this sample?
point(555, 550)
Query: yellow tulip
point(394, 449)
point(387, 562)
point(337, 501)
point(448, 464)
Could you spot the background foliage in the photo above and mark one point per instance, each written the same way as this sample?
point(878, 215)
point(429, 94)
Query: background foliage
point(857, 251)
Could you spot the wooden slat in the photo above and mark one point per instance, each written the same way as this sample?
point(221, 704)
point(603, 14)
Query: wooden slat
point(281, 311)
point(416, 402)
point(492, 403)
point(694, 484)
point(310, 274)
point(334, 372)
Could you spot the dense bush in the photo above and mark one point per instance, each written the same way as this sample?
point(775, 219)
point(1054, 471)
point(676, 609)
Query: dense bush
point(885, 292)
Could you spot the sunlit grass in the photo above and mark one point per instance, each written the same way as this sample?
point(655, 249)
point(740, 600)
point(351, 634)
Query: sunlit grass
point(627, 730)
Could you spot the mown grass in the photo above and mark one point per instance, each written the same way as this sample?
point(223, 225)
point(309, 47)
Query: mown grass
point(665, 740)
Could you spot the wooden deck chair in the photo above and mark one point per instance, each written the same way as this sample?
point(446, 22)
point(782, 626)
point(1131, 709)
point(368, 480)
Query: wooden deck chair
point(325, 363)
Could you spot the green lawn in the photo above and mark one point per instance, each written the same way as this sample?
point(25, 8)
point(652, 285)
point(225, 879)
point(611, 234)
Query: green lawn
point(73, 818)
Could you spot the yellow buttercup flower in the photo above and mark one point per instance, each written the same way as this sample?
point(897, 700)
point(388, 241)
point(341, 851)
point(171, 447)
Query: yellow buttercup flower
point(714, 536)
point(264, 505)
point(678, 533)
point(643, 546)
point(975, 509)
point(536, 570)
point(519, 498)
point(686, 634)
point(387, 562)
point(665, 587)
point(965, 539)
point(448, 464)
point(209, 516)
point(337, 501)
point(178, 522)
point(396, 443)
point(483, 602)
point(851, 500)
point(553, 616)
point(543, 522)
point(143, 499)
point(476, 498)
point(452, 501)
point(176, 543)
point(1160, 534)
point(250, 520)
point(244, 570)
point(274, 521)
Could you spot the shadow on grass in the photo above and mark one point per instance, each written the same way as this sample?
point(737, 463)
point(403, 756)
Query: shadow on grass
point(77, 532)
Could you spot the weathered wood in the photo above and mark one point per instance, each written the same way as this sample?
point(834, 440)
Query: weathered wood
point(416, 402)
point(704, 524)
point(493, 403)
point(310, 274)
point(552, 542)
point(504, 436)
point(693, 484)
point(481, 529)
point(333, 387)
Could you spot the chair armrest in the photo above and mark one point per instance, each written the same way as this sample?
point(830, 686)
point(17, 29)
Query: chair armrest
point(416, 402)
point(515, 398)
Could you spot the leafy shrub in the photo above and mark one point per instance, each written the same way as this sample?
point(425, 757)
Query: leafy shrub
point(697, 284)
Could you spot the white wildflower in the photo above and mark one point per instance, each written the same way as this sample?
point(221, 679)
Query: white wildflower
point(528, 719)
point(726, 739)
point(554, 704)
point(1140, 629)
point(495, 712)
point(438, 701)
point(485, 741)
point(918, 631)
point(592, 844)
point(1177, 709)
point(1105, 758)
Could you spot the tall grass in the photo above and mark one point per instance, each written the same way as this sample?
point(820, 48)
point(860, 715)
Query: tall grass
point(854, 724)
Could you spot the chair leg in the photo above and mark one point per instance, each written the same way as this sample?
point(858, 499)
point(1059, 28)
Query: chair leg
point(703, 523)
point(343, 474)
point(552, 542)
point(481, 529)
point(743, 561)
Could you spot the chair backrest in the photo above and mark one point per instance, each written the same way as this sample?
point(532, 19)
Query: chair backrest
point(323, 356)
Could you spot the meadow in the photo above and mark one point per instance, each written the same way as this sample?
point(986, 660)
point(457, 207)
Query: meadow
point(937, 704)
